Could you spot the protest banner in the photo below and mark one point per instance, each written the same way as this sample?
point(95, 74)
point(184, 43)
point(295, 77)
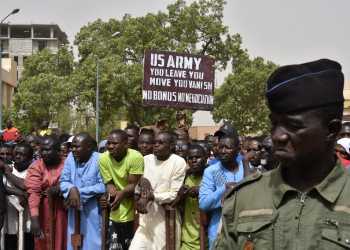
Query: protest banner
point(178, 80)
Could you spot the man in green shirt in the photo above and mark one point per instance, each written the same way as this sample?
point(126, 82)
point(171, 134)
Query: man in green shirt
point(304, 204)
point(196, 159)
point(121, 169)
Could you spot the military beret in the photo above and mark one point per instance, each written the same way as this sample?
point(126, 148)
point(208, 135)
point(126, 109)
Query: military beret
point(305, 86)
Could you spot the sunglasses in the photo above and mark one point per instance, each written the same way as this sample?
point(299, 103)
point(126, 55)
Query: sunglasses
point(341, 152)
point(267, 148)
point(147, 142)
point(183, 147)
point(160, 142)
point(256, 150)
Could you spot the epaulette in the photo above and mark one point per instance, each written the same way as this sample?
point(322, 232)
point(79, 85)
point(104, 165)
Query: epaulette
point(245, 181)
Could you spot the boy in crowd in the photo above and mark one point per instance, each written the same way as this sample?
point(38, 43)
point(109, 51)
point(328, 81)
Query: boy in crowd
point(121, 168)
point(196, 158)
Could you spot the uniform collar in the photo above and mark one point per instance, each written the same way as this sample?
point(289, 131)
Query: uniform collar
point(329, 188)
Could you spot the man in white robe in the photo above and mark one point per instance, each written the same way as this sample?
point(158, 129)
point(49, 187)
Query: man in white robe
point(162, 178)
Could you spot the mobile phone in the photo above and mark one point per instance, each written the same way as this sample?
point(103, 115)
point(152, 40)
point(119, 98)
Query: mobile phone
point(10, 135)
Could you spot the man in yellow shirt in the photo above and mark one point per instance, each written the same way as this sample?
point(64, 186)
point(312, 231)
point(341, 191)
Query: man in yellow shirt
point(44, 131)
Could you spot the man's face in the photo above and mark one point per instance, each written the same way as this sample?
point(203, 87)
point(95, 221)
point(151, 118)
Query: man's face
point(341, 151)
point(145, 144)
point(162, 147)
point(196, 160)
point(227, 150)
point(132, 138)
point(210, 139)
point(344, 132)
point(214, 148)
point(44, 124)
point(9, 124)
point(6, 153)
point(267, 153)
point(31, 140)
point(244, 147)
point(181, 148)
point(253, 146)
point(241, 139)
point(80, 148)
point(48, 152)
point(64, 151)
point(22, 158)
point(300, 139)
point(116, 145)
point(206, 148)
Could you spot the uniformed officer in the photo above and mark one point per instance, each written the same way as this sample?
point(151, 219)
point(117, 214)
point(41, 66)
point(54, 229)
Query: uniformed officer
point(304, 204)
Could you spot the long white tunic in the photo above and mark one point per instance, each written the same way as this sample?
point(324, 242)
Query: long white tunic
point(166, 178)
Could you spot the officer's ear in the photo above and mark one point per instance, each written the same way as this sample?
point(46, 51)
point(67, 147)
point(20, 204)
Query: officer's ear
point(332, 130)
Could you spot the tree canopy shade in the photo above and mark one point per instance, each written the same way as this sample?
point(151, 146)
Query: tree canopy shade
point(51, 83)
point(196, 28)
point(241, 99)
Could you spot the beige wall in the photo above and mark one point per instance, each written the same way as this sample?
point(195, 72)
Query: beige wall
point(9, 80)
point(200, 132)
point(346, 93)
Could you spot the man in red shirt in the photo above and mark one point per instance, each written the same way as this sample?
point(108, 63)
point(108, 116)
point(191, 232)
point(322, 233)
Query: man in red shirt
point(9, 126)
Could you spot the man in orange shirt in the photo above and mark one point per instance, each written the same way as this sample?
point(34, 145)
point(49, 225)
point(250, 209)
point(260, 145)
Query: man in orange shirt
point(9, 126)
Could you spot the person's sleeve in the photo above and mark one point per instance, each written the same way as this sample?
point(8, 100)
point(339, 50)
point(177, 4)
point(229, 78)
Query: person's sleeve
point(98, 188)
point(227, 233)
point(2, 201)
point(33, 183)
point(102, 165)
point(175, 184)
point(48, 132)
point(209, 196)
point(65, 180)
point(137, 164)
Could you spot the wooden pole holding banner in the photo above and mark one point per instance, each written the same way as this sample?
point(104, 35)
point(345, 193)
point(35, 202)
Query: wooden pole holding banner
point(182, 121)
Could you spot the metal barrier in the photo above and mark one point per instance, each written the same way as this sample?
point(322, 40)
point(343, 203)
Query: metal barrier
point(20, 210)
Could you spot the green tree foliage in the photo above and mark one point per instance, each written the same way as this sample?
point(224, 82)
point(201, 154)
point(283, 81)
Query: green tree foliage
point(52, 85)
point(241, 99)
point(43, 90)
point(196, 28)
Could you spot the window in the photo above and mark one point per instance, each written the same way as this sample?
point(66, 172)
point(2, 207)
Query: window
point(16, 59)
point(41, 46)
point(2, 46)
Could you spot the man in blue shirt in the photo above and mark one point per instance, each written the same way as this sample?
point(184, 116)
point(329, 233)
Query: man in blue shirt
point(217, 179)
point(80, 182)
point(226, 129)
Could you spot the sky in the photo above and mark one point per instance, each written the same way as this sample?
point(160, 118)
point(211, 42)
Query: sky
point(285, 32)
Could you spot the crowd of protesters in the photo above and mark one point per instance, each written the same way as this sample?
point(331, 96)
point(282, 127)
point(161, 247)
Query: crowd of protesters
point(154, 167)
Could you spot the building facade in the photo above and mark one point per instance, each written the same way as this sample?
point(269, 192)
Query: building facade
point(18, 41)
point(9, 80)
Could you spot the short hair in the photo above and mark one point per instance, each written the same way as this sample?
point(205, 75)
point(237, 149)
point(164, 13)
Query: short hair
point(234, 137)
point(147, 132)
point(205, 142)
point(6, 146)
point(181, 140)
point(208, 137)
point(329, 112)
point(120, 132)
point(55, 140)
point(194, 140)
point(346, 124)
point(169, 135)
point(8, 120)
point(27, 146)
point(174, 134)
point(64, 137)
point(196, 146)
point(263, 137)
point(133, 127)
point(257, 138)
